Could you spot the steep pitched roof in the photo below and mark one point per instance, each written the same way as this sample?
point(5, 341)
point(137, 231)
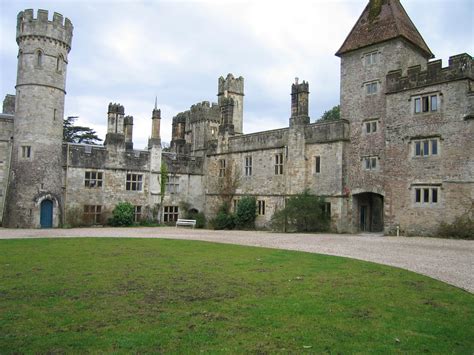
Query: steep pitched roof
point(383, 20)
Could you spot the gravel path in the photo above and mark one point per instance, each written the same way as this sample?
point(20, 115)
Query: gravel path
point(451, 261)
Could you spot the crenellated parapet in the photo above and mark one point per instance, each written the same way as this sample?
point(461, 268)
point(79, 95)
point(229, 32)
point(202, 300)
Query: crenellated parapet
point(204, 111)
point(59, 29)
point(460, 67)
point(116, 108)
point(231, 85)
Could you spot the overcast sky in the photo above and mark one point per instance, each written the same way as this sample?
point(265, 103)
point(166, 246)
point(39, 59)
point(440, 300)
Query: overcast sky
point(131, 51)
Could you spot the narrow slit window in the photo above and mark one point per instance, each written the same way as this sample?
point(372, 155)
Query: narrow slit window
point(318, 164)
point(39, 59)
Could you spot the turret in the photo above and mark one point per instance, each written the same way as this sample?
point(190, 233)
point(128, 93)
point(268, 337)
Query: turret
point(35, 193)
point(231, 100)
point(299, 103)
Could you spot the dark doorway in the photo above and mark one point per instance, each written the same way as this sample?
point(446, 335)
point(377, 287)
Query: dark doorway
point(369, 207)
point(363, 218)
point(46, 214)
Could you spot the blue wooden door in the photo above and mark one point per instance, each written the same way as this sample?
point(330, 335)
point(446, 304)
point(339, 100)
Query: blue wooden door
point(46, 214)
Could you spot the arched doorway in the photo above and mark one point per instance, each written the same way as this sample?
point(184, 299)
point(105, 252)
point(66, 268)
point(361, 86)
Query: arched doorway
point(46, 214)
point(368, 209)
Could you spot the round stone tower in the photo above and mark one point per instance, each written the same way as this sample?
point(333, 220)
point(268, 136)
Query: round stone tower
point(35, 188)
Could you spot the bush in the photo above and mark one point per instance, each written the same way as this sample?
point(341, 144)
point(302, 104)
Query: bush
point(303, 213)
point(461, 228)
point(224, 219)
point(246, 213)
point(123, 214)
point(198, 216)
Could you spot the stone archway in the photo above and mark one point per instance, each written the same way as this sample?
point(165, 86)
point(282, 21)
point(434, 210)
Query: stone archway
point(368, 209)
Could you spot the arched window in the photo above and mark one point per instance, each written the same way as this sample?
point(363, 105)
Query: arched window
point(59, 63)
point(39, 59)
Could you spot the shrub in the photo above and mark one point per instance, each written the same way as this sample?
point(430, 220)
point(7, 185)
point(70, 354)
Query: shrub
point(246, 213)
point(224, 219)
point(461, 228)
point(122, 215)
point(303, 213)
point(198, 216)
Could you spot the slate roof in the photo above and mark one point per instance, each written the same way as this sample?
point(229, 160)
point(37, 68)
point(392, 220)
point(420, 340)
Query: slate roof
point(383, 20)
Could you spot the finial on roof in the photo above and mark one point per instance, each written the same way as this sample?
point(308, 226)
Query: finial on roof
point(156, 102)
point(296, 80)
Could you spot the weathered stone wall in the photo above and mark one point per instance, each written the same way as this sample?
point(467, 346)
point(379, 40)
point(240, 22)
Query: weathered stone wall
point(326, 140)
point(358, 107)
point(6, 132)
point(114, 167)
point(451, 170)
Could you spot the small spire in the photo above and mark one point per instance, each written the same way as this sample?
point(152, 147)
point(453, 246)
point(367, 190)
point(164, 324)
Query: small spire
point(156, 102)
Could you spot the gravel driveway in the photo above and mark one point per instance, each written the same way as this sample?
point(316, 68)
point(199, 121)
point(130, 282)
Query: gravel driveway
point(451, 261)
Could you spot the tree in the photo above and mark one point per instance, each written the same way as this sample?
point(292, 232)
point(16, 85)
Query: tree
point(78, 134)
point(303, 213)
point(246, 213)
point(331, 115)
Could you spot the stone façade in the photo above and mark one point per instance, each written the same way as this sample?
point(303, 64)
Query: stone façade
point(211, 161)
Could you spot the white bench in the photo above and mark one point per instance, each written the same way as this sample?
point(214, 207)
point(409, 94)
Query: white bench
point(186, 222)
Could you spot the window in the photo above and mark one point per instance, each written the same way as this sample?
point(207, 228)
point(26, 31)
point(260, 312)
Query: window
point(172, 185)
point(1, 192)
point(134, 182)
point(92, 214)
point(370, 127)
point(371, 58)
point(426, 195)
point(326, 208)
point(427, 103)
point(370, 163)
point(221, 167)
point(170, 214)
point(93, 179)
point(26, 151)
point(39, 59)
point(261, 207)
point(137, 213)
point(371, 88)
point(248, 166)
point(236, 202)
point(59, 64)
point(425, 147)
point(279, 164)
point(317, 163)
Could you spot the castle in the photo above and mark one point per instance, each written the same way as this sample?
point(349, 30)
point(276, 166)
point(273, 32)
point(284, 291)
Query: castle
point(400, 157)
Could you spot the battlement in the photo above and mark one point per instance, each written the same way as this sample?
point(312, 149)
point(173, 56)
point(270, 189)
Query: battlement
point(230, 84)
point(58, 28)
point(156, 114)
point(460, 67)
point(128, 120)
point(116, 108)
point(297, 87)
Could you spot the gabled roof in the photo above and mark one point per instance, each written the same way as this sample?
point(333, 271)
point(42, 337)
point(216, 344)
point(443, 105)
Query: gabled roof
point(381, 21)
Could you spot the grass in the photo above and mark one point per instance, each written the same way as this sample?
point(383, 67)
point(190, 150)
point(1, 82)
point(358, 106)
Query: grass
point(151, 295)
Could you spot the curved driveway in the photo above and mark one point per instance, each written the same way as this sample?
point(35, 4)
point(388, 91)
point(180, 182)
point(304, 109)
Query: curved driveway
point(451, 261)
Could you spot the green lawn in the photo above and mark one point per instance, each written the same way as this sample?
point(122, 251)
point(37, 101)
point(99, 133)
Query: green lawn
point(151, 295)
